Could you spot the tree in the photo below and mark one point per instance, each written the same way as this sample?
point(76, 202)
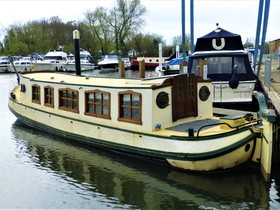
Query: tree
point(249, 43)
point(177, 40)
point(42, 36)
point(100, 29)
point(146, 45)
point(125, 19)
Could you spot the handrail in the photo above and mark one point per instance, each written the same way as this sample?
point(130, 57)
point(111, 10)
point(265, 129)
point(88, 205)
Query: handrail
point(223, 123)
point(263, 110)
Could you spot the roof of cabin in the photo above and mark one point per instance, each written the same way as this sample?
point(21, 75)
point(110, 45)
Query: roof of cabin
point(232, 41)
point(53, 77)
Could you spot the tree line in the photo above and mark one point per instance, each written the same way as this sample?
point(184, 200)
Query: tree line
point(102, 31)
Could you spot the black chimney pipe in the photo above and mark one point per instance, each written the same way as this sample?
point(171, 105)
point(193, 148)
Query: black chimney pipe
point(76, 37)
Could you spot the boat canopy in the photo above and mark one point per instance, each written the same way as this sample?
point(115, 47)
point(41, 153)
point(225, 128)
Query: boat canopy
point(219, 39)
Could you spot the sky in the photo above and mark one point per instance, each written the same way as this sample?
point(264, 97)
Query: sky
point(163, 17)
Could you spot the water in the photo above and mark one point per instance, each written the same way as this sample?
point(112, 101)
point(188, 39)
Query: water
point(38, 170)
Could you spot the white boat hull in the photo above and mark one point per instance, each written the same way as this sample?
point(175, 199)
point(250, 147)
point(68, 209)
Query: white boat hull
point(5, 69)
point(223, 93)
point(197, 154)
point(84, 67)
point(22, 68)
point(48, 66)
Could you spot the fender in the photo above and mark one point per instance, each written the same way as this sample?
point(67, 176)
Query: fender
point(214, 44)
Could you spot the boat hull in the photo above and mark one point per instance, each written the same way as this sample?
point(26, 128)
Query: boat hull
point(5, 69)
point(49, 66)
point(205, 153)
point(112, 66)
point(227, 161)
point(84, 67)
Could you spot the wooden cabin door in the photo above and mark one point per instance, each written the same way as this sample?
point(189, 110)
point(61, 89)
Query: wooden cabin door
point(184, 96)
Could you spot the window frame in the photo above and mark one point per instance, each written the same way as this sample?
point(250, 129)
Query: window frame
point(68, 99)
point(95, 103)
point(36, 95)
point(51, 96)
point(130, 107)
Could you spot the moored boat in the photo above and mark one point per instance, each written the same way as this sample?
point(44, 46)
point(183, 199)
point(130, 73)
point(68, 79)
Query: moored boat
point(5, 64)
point(85, 65)
point(165, 118)
point(22, 65)
point(150, 62)
point(171, 66)
point(220, 56)
point(85, 62)
point(54, 60)
point(109, 62)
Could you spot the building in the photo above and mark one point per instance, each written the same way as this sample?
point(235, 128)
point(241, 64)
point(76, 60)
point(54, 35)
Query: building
point(274, 46)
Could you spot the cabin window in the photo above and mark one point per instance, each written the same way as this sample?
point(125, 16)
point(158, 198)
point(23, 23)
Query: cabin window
point(48, 96)
point(97, 104)
point(130, 107)
point(69, 100)
point(36, 94)
point(239, 62)
point(221, 65)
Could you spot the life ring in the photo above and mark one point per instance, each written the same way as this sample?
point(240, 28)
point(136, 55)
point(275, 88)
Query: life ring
point(216, 47)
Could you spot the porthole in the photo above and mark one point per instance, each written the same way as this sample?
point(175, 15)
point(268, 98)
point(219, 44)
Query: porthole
point(247, 147)
point(204, 93)
point(22, 88)
point(162, 100)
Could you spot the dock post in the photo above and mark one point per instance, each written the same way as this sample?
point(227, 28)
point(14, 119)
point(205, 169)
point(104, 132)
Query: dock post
point(142, 69)
point(182, 67)
point(121, 69)
point(266, 144)
point(202, 64)
point(267, 148)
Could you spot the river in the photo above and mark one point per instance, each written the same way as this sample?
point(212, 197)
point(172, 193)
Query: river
point(41, 171)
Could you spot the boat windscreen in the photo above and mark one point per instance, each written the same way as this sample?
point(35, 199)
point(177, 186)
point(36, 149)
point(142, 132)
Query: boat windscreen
point(54, 58)
point(220, 65)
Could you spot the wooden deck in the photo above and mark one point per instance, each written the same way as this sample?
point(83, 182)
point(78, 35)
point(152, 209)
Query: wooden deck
point(195, 126)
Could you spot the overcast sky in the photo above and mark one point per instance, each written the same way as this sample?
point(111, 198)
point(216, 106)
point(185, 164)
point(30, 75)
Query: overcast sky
point(163, 17)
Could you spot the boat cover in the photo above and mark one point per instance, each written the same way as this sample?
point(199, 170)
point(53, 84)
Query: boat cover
point(219, 39)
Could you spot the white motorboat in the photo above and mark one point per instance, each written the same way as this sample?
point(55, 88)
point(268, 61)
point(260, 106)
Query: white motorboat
point(85, 65)
point(127, 63)
point(54, 60)
point(85, 61)
point(221, 57)
point(110, 61)
point(5, 64)
point(23, 65)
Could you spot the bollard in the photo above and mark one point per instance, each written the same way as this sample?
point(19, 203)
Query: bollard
point(182, 67)
point(142, 69)
point(121, 69)
point(202, 64)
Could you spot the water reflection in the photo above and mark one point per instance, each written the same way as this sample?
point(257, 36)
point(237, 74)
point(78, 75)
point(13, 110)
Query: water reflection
point(135, 183)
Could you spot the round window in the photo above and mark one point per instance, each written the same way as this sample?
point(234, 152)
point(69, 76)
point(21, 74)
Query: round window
point(204, 93)
point(162, 100)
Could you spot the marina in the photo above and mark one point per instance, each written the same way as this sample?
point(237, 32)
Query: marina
point(113, 131)
point(82, 177)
